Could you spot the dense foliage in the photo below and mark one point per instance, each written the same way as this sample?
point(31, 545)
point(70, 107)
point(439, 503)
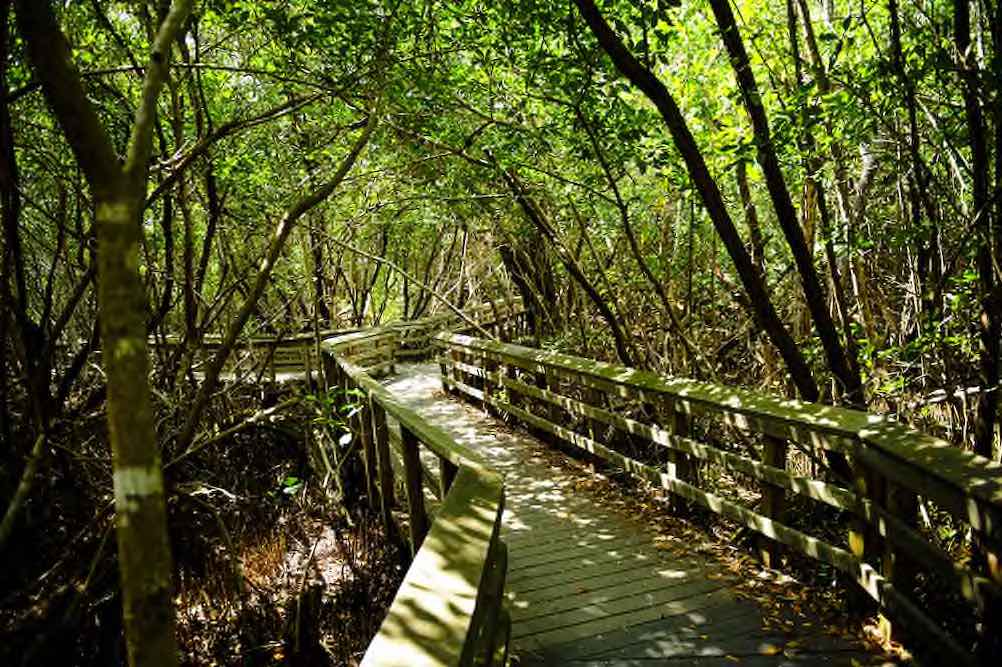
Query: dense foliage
point(304, 166)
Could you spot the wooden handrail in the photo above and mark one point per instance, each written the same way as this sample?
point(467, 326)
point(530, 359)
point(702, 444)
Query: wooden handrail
point(891, 461)
point(449, 609)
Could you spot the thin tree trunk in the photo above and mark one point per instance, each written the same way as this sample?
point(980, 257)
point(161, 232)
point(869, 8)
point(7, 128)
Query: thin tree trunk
point(23, 489)
point(994, 300)
point(27, 336)
point(786, 215)
point(751, 216)
point(537, 218)
point(814, 187)
point(285, 226)
point(8, 196)
point(926, 254)
point(695, 356)
point(763, 309)
point(989, 323)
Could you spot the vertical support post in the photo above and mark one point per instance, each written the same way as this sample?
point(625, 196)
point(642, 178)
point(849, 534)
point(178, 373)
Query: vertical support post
point(896, 566)
point(863, 540)
point(549, 412)
point(395, 345)
point(679, 466)
point(469, 358)
point(485, 382)
point(596, 428)
point(490, 385)
point(511, 372)
point(443, 369)
point(415, 493)
point(456, 357)
point(307, 367)
point(989, 562)
point(381, 436)
point(348, 471)
point(773, 499)
point(446, 474)
point(368, 453)
point(328, 365)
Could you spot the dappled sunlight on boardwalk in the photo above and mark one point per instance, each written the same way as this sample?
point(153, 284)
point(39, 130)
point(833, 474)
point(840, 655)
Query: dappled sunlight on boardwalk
point(586, 583)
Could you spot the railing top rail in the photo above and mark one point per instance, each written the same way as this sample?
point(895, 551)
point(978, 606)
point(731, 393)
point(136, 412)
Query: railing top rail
point(936, 466)
point(260, 340)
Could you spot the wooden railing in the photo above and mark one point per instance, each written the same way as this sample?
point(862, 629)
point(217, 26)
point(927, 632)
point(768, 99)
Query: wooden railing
point(261, 356)
point(296, 354)
point(679, 427)
point(450, 608)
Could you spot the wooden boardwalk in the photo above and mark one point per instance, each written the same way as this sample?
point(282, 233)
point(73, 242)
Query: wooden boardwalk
point(586, 583)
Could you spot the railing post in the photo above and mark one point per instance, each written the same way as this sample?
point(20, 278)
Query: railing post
point(443, 370)
point(368, 453)
point(489, 367)
point(485, 382)
point(415, 493)
point(549, 412)
point(492, 637)
point(515, 398)
point(594, 397)
point(454, 375)
point(863, 540)
point(773, 498)
point(896, 566)
point(329, 366)
point(307, 367)
point(394, 346)
point(381, 436)
point(990, 633)
point(679, 466)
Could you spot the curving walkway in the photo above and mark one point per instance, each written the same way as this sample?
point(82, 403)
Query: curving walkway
point(586, 584)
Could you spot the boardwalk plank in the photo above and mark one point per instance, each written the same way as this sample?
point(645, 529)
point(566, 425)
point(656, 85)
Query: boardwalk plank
point(596, 579)
point(636, 594)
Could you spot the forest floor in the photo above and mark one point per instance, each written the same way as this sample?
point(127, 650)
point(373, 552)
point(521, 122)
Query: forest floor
point(264, 554)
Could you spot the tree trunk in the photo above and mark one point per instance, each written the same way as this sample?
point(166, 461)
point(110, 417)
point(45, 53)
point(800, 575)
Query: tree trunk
point(989, 322)
point(119, 193)
point(143, 547)
point(763, 309)
point(284, 228)
point(786, 215)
